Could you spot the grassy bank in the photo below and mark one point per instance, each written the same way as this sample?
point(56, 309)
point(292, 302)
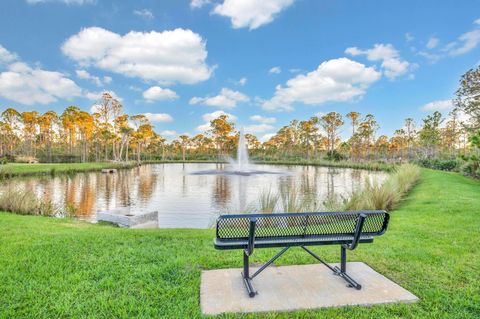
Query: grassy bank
point(17, 169)
point(51, 268)
point(372, 166)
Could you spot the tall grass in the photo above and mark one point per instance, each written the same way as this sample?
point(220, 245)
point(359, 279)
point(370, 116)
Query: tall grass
point(373, 195)
point(25, 202)
point(388, 194)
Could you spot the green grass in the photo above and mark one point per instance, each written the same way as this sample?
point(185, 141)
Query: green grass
point(17, 169)
point(60, 268)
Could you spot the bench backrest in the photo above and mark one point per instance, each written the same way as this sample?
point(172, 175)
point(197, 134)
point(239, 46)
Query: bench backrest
point(300, 225)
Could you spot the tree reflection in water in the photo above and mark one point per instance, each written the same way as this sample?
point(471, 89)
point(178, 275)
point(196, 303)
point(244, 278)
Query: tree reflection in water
point(183, 199)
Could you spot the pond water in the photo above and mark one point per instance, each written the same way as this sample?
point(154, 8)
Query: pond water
point(184, 199)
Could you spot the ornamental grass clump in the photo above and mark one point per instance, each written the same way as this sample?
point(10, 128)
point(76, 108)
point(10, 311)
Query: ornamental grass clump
point(387, 195)
point(25, 202)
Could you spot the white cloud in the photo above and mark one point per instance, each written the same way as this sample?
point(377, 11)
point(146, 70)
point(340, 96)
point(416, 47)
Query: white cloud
point(144, 13)
point(477, 22)
point(392, 64)
point(96, 96)
point(465, 43)
point(242, 81)
point(409, 37)
point(226, 99)
point(336, 80)
point(26, 85)
point(251, 13)
point(156, 93)
point(263, 119)
point(432, 42)
point(196, 4)
point(158, 117)
point(266, 137)
point(6, 56)
point(177, 56)
point(440, 105)
point(275, 70)
point(69, 2)
point(431, 57)
point(83, 74)
point(207, 117)
point(168, 133)
point(257, 128)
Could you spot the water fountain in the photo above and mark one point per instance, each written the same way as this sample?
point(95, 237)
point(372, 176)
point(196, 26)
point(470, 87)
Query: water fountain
point(241, 166)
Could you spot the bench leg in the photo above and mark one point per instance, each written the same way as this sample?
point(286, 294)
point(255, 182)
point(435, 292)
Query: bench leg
point(246, 276)
point(342, 271)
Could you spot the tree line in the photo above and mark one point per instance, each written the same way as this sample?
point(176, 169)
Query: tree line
point(108, 134)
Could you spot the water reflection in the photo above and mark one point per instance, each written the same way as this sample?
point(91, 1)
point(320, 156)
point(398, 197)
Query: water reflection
point(185, 200)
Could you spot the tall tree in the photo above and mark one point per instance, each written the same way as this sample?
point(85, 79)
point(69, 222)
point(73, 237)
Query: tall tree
point(468, 98)
point(331, 123)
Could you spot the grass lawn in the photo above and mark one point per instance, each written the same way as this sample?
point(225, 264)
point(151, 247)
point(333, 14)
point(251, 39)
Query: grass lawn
point(53, 268)
point(19, 169)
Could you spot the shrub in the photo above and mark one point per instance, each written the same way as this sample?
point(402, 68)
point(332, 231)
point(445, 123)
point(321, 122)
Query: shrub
point(334, 156)
point(438, 164)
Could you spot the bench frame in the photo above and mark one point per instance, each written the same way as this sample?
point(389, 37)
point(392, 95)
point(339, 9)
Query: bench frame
point(341, 272)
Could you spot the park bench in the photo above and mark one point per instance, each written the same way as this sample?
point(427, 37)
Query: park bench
point(254, 231)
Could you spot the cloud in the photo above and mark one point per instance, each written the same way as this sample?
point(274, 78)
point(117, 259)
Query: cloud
point(409, 37)
point(266, 137)
point(82, 74)
point(144, 13)
point(69, 2)
point(168, 133)
point(207, 117)
point(226, 99)
point(96, 96)
point(156, 93)
point(432, 42)
point(251, 13)
point(168, 57)
point(27, 85)
point(263, 119)
point(158, 117)
point(392, 65)
point(440, 105)
point(196, 4)
point(242, 81)
point(477, 22)
point(275, 70)
point(257, 128)
point(431, 57)
point(465, 43)
point(337, 80)
point(6, 56)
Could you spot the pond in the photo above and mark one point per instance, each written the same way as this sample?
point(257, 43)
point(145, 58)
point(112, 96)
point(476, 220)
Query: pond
point(187, 200)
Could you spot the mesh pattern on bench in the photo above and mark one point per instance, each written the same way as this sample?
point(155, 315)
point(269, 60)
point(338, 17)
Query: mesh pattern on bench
point(271, 226)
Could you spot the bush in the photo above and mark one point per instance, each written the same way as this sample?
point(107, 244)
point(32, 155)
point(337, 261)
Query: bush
point(438, 164)
point(334, 156)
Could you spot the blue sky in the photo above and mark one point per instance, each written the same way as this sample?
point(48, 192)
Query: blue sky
point(265, 63)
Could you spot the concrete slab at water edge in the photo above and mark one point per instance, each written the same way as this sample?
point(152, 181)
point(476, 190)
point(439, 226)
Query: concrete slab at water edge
point(124, 218)
point(289, 288)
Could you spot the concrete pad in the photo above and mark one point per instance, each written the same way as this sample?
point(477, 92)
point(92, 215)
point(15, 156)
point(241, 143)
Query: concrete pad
point(290, 288)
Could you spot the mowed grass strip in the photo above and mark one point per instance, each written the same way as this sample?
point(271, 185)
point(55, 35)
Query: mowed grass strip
point(59, 268)
point(21, 169)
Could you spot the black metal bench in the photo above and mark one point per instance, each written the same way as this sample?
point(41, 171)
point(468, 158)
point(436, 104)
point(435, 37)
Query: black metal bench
point(249, 231)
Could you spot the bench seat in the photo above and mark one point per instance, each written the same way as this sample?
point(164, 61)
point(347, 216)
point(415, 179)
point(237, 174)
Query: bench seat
point(224, 244)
